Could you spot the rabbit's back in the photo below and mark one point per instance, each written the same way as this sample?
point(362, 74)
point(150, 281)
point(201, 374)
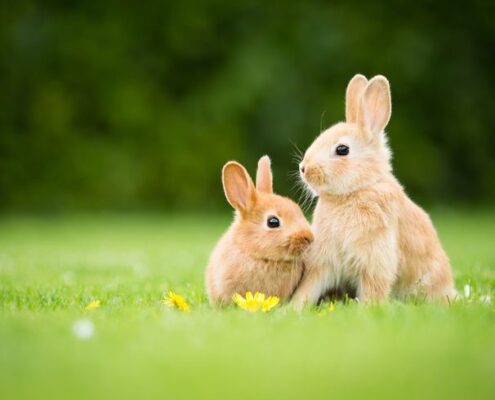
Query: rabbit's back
point(424, 267)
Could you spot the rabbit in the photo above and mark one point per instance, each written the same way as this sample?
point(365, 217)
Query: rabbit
point(261, 250)
point(369, 236)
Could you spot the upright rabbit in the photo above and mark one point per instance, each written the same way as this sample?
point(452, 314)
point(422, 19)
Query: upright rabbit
point(369, 236)
point(261, 251)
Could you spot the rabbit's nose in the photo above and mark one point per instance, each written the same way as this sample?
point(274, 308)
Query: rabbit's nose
point(302, 168)
point(301, 240)
point(307, 237)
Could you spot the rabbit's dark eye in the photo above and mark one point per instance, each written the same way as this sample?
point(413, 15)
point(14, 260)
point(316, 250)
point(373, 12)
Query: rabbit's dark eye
point(273, 222)
point(342, 150)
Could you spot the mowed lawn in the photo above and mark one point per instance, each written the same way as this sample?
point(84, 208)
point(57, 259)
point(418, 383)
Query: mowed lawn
point(51, 268)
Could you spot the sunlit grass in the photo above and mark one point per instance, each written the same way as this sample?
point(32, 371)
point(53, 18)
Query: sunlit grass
point(132, 345)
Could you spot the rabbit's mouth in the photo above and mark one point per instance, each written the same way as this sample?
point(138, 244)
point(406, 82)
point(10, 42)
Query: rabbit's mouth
point(289, 260)
point(299, 242)
point(292, 249)
point(286, 254)
point(314, 177)
point(295, 252)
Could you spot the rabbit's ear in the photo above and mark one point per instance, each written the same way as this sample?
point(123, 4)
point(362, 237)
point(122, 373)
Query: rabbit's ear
point(264, 178)
point(375, 106)
point(353, 93)
point(238, 186)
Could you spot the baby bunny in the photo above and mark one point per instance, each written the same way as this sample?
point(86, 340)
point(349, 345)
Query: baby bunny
point(369, 236)
point(261, 251)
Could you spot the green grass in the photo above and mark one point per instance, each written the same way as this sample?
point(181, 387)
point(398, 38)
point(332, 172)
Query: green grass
point(50, 269)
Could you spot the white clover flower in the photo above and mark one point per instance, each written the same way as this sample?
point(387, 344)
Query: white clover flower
point(467, 291)
point(83, 329)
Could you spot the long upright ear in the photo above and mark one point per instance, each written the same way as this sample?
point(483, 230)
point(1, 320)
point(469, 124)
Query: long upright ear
point(264, 178)
point(375, 107)
point(238, 186)
point(355, 89)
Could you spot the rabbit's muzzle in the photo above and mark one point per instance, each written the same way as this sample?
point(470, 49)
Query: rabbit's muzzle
point(313, 174)
point(299, 241)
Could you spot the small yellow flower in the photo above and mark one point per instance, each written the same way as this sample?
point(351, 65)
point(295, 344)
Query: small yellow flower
point(174, 300)
point(93, 305)
point(255, 303)
point(269, 303)
point(329, 308)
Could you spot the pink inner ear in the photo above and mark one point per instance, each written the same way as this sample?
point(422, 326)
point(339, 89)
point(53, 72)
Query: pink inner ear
point(376, 117)
point(239, 191)
point(376, 113)
point(371, 122)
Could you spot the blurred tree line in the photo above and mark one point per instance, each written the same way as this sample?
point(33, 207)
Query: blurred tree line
point(137, 105)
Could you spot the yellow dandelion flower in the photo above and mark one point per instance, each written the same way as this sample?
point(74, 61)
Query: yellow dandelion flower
point(269, 303)
point(256, 302)
point(259, 297)
point(174, 300)
point(329, 308)
point(249, 303)
point(93, 305)
point(239, 300)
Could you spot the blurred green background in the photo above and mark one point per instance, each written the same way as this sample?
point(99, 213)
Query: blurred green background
point(115, 106)
point(134, 108)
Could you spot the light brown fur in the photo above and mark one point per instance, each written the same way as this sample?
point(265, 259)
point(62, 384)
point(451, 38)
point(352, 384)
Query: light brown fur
point(368, 234)
point(250, 256)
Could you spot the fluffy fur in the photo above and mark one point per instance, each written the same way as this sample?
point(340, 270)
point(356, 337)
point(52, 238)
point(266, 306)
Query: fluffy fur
point(369, 236)
point(251, 256)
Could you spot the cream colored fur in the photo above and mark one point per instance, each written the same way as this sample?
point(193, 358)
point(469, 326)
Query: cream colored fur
point(369, 235)
point(250, 256)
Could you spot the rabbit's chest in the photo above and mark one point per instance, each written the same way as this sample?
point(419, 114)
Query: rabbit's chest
point(278, 279)
point(336, 241)
point(334, 228)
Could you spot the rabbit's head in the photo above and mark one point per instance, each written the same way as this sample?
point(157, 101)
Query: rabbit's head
point(267, 226)
point(353, 154)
